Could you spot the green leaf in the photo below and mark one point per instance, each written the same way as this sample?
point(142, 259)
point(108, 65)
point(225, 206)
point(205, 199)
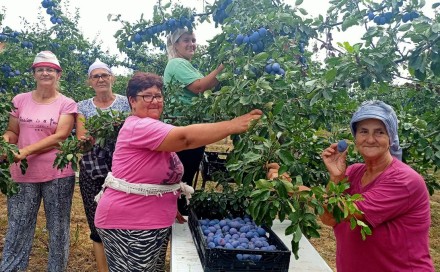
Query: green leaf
point(404, 27)
point(435, 68)
point(348, 22)
point(315, 98)
point(263, 184)
point(298, 234)
point(435, 28)
point(289, 230)
point(420, 75)
point(286, 156)
point(69, 157)
point(353, 223)
point(326, 95)
point(298, 2)
point(310, 83)
point(330, 75)
point(303, 11)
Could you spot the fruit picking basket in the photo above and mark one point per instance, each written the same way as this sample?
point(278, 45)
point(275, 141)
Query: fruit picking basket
point(219, 258)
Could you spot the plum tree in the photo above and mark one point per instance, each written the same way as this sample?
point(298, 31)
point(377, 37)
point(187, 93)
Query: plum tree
point(272, 62)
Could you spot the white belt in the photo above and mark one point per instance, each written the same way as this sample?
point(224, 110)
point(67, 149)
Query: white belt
point(144, 189)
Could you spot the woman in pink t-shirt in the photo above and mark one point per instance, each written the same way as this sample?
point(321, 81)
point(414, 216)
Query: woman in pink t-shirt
point(395, 199)
point(134, 217)
point(41, 119)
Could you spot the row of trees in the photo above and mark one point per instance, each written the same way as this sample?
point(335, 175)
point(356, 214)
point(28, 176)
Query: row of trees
point(306, 107)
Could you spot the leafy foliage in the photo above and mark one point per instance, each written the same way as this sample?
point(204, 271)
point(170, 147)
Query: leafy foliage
point(8, 151)
point(307, 100)
point(102, 130)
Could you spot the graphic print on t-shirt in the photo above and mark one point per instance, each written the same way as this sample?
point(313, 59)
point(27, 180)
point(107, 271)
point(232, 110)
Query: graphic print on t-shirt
point(175, 171)
point(37, 124)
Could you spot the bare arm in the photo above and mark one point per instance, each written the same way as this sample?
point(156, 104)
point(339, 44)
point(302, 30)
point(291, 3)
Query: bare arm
point(335, 162)
point(64, 128)
point(192, 136)
point(11, 134)
point(206, 83)
point(80, 126)
point(326, 218)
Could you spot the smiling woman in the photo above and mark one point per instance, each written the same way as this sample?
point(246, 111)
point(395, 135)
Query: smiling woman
point(42, 118)
point(139, 205)
point(395, 200)
point(96, 163)
point(181, 46)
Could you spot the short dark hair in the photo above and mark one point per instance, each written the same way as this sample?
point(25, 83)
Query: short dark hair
point(142, 81)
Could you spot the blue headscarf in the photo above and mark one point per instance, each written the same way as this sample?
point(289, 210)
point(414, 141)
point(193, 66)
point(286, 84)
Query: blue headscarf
point(376, 109)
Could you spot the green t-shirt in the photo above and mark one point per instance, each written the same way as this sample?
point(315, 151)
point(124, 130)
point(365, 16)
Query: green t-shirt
point(180, 71)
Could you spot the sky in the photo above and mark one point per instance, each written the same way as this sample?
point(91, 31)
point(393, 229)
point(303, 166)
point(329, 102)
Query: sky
point(93, 16)
point(94, 23)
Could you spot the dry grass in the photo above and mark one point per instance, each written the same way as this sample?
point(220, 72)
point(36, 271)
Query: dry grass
point(81, 257)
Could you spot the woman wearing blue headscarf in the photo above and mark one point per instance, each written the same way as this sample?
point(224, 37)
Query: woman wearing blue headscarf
point(395, 198)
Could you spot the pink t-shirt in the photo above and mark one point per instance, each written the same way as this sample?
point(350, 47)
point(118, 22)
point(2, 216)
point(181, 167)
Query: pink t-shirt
point(135, 160)
point(396, 204)
point(38, 121)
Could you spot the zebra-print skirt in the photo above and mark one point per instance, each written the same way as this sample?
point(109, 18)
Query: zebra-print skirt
point(135, 250)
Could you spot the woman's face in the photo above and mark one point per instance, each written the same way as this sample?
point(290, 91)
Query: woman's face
point(148, 103)
point(372, 139)
point(186, 46)
point(46, 76)
point(101, 80)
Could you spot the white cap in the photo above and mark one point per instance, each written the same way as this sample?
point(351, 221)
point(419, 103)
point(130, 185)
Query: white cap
point(99, 65)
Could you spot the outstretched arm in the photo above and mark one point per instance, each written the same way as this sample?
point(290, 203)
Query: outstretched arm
point(192, 136)
point(206, 83)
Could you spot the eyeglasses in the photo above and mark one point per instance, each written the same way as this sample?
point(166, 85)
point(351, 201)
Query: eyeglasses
point(47, 70)
point(149, 97)
point(98, 76)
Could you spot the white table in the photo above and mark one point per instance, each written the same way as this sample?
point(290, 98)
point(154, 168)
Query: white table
point(184, 256)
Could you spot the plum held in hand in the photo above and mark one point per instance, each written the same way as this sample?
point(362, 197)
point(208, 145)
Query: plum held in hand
point(342, 146)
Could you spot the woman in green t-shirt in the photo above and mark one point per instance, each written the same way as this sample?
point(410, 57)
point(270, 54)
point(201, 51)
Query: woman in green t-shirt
point(181, 46)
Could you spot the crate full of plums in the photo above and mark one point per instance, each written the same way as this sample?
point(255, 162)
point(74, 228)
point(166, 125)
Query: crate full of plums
point(237, 244)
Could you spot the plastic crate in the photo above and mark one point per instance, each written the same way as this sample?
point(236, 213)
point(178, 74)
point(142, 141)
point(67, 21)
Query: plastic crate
point(212, 162)
point(225, 260)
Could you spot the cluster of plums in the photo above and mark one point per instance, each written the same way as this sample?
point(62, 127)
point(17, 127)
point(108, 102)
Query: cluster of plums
point(237, 233)
point(273, 68)
point(168, 26)
point(220, 15)
point(255, 39)
point(9, 35)
point(8, 71)
point(48, 5)
point(383, 18)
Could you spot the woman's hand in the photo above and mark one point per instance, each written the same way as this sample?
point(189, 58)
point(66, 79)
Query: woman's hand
point(242, 123)
point(86, 143)
point(220, 67)
point(335, 162)
point(327, 218)
point(272, 172)
point(179, 218)
point(20, 156)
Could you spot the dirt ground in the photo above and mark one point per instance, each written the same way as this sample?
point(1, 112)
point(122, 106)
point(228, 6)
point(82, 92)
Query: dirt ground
point(81, 257)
